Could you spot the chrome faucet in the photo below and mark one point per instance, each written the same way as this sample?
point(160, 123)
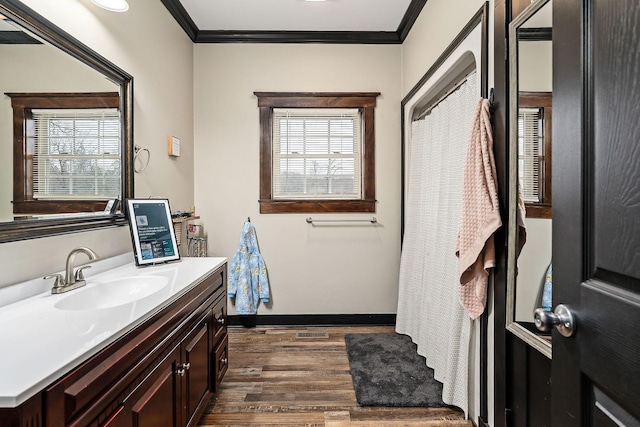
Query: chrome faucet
point(70, 280)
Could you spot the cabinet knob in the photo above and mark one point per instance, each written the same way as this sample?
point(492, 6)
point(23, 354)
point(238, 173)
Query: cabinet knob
point(220, 320)
point(183, 368)
point(223, 361)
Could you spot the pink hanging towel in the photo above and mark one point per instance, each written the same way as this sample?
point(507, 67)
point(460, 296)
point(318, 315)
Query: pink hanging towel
point(480, 215)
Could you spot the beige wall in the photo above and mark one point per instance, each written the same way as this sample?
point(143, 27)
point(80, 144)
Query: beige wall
point(532, 267)
point(438, 24)
point(147, 43)
point(312, 269)
point(535, 66)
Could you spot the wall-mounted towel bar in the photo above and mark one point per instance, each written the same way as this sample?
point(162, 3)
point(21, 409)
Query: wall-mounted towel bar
point(310, 220)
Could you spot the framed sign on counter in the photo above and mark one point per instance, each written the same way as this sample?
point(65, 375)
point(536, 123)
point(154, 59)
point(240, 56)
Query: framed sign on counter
point(154, 240)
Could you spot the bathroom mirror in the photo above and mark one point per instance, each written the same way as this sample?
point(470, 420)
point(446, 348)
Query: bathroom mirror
point(530, 105)
point(52, 61)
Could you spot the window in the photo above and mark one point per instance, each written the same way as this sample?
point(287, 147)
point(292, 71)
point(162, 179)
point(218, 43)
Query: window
point(317, 152)
point(76, 154)
point(534, 152)
point(530, 144)
point(66, 152)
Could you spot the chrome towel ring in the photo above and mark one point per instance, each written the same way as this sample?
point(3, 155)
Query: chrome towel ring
point(136, 152)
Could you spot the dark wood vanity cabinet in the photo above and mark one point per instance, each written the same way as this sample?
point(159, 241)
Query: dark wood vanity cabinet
point(175, 391)
point(161, 373)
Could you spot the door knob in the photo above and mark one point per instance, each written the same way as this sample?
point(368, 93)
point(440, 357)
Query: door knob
point(562, 318)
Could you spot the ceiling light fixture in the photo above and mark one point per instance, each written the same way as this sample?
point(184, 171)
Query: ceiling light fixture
point(112, 5)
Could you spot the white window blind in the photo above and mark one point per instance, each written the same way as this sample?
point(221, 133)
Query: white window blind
point(530, 146)
point(317, 154)
point(77, 154)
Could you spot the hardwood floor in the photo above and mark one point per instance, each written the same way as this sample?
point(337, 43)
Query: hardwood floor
point(300, 377)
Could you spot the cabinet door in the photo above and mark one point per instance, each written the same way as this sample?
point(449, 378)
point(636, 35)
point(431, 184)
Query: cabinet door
point(155, 402)
point(220, 362)
point(220, 319)
point(195, 362)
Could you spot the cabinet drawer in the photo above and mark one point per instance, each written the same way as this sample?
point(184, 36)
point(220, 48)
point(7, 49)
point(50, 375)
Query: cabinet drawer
point(221, 363)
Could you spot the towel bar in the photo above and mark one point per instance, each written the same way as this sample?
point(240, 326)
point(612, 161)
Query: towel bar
point(373, 220)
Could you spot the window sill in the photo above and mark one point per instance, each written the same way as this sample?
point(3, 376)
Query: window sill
point(538, 210)
point(316, 206)
point(57, 206)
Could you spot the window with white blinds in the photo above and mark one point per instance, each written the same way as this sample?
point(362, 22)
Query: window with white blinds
point(530, 153)
point(317, 153)
point(77, 154)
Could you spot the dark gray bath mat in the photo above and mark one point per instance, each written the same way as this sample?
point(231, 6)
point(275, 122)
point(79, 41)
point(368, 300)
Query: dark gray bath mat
point(387, 371)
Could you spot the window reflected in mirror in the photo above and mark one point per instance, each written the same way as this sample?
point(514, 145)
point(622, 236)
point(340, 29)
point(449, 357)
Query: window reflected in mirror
point(534, 152)
point(70, 160)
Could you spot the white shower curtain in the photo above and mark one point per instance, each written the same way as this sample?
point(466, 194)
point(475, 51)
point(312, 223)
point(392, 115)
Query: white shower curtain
point(428, 307)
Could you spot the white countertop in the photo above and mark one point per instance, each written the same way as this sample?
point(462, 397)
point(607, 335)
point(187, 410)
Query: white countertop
point(40, 342)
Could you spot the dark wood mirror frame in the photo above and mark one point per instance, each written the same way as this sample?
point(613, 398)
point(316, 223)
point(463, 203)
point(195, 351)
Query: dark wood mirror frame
point(37, 24)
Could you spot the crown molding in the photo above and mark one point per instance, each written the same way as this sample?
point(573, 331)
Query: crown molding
point(337, 37)
point(182, 17)
point(410, 17)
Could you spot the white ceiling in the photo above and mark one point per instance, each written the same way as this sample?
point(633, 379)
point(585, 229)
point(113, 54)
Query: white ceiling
point(296, 15)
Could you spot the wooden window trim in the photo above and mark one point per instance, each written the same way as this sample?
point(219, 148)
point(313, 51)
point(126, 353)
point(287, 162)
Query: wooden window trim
point(24, 144)
point(542, 100)
point(365, 101)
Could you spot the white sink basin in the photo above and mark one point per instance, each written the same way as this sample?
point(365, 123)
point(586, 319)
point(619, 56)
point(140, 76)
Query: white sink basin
point(113, 293)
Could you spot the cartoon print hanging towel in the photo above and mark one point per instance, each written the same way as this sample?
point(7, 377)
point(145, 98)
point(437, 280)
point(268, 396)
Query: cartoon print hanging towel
point(248, 281)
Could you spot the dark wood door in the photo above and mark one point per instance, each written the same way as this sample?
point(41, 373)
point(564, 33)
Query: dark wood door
point(155, 401)
point(196, 361)
point(220, 363)
point(596, 211)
